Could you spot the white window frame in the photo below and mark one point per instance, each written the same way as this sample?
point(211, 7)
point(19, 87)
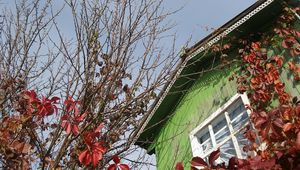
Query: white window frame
point(196, 146)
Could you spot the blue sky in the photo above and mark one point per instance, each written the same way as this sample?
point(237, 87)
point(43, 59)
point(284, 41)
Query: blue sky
point(195, 19)
point(197, 15)
point(192, 19)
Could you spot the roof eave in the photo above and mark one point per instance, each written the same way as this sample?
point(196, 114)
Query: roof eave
point(193, 51)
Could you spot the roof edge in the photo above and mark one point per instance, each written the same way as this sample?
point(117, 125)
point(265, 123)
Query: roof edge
point(227, 28)
point(199, 47)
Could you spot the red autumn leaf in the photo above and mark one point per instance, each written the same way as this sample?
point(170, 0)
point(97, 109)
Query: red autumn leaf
point(67, 127)
point(283, 97)
point(236, 163)
point(179, 166)
point(255, 46)
point(265, 132)
point(276, 132)
point(21, 147)
point(197, 161)
point(26, 148)
point(214, 156)
point(91, 136)
point(286, 32)
point(294, 52)
point(297, 109)
point(250, 58)
point(116, 159)
point(278, 60)
point(278, 86)
point(258, 163)
point(259, 121)
point(284, 44)
point(70, 104)
point(112, 167)
point(292, 66)
point(286, 114)
point(250, 135)
point(288, 42)
point(85, 158)
point(254, 80)
point(287, 127)
point(296, 33)
point(116, 165)
point(99, 128)
point(297, 143)
point(124, 167)
point(31, 96)
point(226, 46)
point(94, 154)
point(278, 122)
point(242, 88)
point(46, 107)
point(42, 107)
point(55, 99)
point(96, 157)
point(80, 118)
point(265, 154)
point(70, 123)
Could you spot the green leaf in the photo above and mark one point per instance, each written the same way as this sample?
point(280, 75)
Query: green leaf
point(270, 53)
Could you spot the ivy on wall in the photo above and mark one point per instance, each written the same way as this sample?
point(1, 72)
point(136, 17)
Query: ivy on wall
point(275, 113)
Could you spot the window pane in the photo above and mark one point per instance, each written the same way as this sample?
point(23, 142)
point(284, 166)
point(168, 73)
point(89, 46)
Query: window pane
point(206, 146)
point(240, 121)
point(236, 111)
point(222, 134)
point(219, 123)
point(205, 141)
point(227, 151)
point(220, 129)
point(242, 141)
point(238, 116)
point(204, 137)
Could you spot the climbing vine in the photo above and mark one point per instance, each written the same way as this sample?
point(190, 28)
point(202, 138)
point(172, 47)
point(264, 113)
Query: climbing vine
point(275, 113)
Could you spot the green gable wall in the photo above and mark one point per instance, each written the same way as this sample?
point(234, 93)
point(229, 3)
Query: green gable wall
point(208, 93)
point(193, 97)
point(257, 23)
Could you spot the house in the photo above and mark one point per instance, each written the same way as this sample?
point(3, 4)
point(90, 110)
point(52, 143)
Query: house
point(200, 110)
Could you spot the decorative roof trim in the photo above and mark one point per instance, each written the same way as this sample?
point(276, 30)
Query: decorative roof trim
point(230, 29)
point(193, 54)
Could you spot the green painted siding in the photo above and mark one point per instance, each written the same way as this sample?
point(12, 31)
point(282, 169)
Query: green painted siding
point(209, 92)
point(291, 86)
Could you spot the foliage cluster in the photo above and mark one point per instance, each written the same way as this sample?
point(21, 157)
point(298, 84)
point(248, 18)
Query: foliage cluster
point(275, 113)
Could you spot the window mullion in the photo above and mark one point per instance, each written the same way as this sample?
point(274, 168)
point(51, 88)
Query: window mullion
point(247, 102)
point(212, 136)
point(234, 140)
